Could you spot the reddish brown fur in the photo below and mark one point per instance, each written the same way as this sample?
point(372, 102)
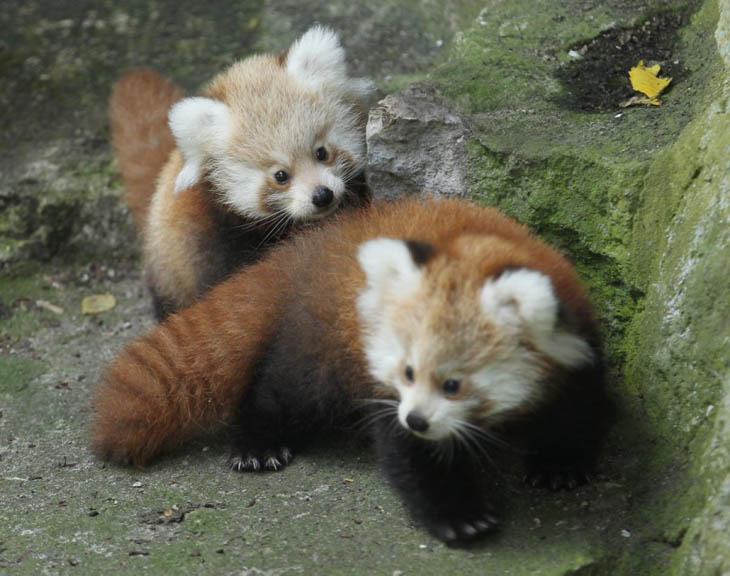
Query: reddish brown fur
point(141, 137)
point(193, 239)
point(189, 373)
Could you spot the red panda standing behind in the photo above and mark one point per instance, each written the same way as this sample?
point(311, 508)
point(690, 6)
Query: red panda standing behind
point(273, 142)
point(444, 318)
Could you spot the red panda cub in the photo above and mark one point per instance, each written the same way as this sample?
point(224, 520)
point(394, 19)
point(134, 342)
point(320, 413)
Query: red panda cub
point(440, 322)
point(272, 142)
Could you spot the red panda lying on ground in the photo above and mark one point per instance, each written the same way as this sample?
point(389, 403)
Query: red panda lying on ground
point(445, 318)
point(273, 142)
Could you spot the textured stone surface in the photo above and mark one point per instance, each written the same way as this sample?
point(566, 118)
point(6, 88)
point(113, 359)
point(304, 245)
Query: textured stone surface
point(59, 191)
point(416, 144)
point(639, 198)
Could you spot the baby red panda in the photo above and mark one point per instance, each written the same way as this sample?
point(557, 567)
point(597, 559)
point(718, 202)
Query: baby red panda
point(273, 142)
point(440, 320)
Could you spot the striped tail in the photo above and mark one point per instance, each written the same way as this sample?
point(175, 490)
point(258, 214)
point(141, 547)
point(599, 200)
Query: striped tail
point(188, 374)
point(141, 137)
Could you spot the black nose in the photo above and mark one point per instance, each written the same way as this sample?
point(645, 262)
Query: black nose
point(322, 197)
point(417, 421)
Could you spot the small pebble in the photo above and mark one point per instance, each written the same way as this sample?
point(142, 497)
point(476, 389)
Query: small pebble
point(625, 533)
point(137, 485)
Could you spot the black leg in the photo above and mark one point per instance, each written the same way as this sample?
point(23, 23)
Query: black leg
point(566, 436)
point(161, 307)
point(443, 491)
point(259, 437)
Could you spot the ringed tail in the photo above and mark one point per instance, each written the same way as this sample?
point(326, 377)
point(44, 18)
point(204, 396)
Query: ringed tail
point(141, 136)
point(187, 375)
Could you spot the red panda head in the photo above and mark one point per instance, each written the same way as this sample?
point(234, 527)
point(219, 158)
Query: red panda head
point(277, 136)
point(465, 336)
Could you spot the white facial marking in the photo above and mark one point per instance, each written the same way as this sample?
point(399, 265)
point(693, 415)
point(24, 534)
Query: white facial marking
point(304, 183)
point(243, 184)
point(508, 382)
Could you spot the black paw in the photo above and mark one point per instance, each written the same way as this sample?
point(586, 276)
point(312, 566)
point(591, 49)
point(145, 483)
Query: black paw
point(453, 530)
point(555, 476)
point(254, 460)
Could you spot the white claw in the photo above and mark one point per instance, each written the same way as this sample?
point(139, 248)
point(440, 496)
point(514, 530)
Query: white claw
point(286, 454)
point(468, 529)
point(449, 533)
point(481, 525)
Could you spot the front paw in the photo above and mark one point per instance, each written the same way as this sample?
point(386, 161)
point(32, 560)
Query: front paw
point(554, 475)
point(462, 528)
point(257, 460)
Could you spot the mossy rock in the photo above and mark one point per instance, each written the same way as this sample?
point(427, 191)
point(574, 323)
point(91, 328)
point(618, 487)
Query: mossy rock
point(640, 199)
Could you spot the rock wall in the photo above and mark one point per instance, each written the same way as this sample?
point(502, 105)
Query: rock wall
point(640, 199)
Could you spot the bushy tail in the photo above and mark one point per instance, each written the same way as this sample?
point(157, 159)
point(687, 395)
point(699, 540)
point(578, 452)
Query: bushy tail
point(141, 137)
point(188, 374)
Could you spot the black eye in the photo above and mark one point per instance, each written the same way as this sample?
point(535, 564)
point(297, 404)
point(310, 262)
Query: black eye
point(409, 373)
point(321, 154)
point(451, 386)
point(281, 176)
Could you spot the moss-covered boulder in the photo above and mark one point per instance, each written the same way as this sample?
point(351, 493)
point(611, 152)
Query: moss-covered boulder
point(639, 197)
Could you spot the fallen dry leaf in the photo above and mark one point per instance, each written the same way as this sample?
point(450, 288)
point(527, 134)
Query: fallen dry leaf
point(647, 81)
point(98, 303)
point(48, 306)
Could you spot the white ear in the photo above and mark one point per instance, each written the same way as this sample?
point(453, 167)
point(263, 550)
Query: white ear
point(360, 88)
point(524, 299)
point(317, 58)
point(201, 127)
point(521, 296)
point(387, 264)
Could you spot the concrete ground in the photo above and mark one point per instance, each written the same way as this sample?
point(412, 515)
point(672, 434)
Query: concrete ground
point(329, 512)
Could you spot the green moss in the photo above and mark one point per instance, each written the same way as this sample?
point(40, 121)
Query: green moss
point(637, 202)
point(17, 372)
point(582, 207)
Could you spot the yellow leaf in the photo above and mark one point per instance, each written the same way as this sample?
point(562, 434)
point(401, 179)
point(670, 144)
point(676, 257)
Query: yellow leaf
point(647, 81)
point(98, 303)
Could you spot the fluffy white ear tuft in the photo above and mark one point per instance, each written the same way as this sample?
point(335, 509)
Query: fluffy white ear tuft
point(317, 58)
point(389, 263)
point(201, 127)
point(521, 296)
point(360, 88)
point(524, 300)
